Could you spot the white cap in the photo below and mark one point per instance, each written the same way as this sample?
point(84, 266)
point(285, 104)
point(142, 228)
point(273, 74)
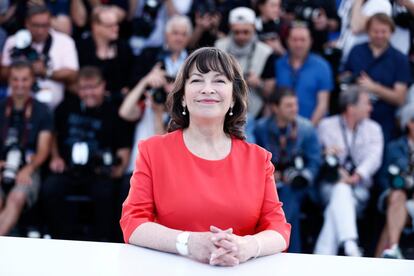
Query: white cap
point(242, 15)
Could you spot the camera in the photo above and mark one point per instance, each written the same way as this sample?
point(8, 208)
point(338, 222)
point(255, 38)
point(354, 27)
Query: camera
point(302, 9)
point(159, 95)
point(23, 49)
point(400, 180)
point(293, 172)
point(100, 161)
point(307, 13)
point(330, 168)
point(13, 157)
point(144, 25)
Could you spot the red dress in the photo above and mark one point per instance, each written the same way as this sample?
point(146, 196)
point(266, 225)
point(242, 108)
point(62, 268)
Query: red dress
point(175, 188)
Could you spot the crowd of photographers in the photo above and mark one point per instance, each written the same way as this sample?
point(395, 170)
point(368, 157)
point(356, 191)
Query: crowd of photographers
point(83, 81)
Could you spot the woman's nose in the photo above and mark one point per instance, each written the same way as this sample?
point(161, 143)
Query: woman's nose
point(207, 88)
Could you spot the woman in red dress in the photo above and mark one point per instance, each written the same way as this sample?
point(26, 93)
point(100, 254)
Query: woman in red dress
point(202, 191)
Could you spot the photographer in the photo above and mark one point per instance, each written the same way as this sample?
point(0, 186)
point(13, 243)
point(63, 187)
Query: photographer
point(145, 105)
point(398, 187)
point(149, 21)
point(295, 152)
point(308, 74)
point(172, 54)
point(357, 143)
point(370, 65)
point(255, 57)
point(52, 54)
point(90, 153)
point(26, 132)
point(206, 18)
point(103, 47)
point(321, 16)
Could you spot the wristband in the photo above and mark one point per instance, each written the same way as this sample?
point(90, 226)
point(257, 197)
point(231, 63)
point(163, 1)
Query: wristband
point(181, 243)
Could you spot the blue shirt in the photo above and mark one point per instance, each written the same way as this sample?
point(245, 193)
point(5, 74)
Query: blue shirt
point(305, 144)
point(387, 69)
point(314, 76)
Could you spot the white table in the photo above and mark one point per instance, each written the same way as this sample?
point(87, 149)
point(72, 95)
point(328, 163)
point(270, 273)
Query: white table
point(32, 257)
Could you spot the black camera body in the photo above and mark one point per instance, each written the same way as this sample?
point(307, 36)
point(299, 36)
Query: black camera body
point(13, 156)
point(84, 160)
point(292, 171)
point(330, 168)
point(399, 180)
point(302, 9)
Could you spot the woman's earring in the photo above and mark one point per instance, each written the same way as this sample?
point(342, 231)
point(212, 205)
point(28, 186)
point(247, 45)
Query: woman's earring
point(231, 111)
point(184, 112)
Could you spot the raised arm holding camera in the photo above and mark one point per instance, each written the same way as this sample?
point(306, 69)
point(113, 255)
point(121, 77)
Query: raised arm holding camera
point(26, 127)
point(295, 152)
point(356, 142)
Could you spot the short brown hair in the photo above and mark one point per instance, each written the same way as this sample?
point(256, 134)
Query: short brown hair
point(205, 60)
point(36, 9)
point(382, 18)
point(90, 72)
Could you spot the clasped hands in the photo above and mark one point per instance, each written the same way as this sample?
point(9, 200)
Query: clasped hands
point(222, 247)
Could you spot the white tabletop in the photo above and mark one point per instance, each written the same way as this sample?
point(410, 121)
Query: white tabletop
point(30, 257)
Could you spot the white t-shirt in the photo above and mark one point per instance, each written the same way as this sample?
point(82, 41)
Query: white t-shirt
point(401, 37)
point(347, 39)
point(144, 129)
point(62, 55)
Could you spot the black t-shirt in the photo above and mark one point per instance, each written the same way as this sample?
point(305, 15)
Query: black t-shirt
point(269, 68)
point(116, 71)
point(41, 120)
point(101, 128)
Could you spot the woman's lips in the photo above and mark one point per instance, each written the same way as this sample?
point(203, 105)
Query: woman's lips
point(208, 101)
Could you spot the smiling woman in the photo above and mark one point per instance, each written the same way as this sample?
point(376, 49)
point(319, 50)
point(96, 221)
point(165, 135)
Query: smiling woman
point(202, 177)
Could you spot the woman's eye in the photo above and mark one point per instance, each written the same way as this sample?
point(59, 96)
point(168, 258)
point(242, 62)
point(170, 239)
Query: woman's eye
point(195, 80)
point(220, 81)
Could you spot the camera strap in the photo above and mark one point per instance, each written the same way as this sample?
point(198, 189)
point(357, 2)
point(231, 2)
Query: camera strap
point(349, 146)
point(283, 140)
point(46, 48)
point(27, 114)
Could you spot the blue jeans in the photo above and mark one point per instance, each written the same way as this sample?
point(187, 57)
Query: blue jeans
point(292, 199)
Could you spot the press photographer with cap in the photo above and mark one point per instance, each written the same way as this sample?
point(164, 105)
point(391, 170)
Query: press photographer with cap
point(254, 56)
point(397, 199)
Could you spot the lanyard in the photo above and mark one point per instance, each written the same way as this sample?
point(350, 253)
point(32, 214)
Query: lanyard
point(349, 147)
point(280, 142)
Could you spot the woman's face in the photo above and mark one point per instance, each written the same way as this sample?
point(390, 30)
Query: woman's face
point(207, 95)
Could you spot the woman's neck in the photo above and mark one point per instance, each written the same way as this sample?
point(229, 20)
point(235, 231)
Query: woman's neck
point(208, 141)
